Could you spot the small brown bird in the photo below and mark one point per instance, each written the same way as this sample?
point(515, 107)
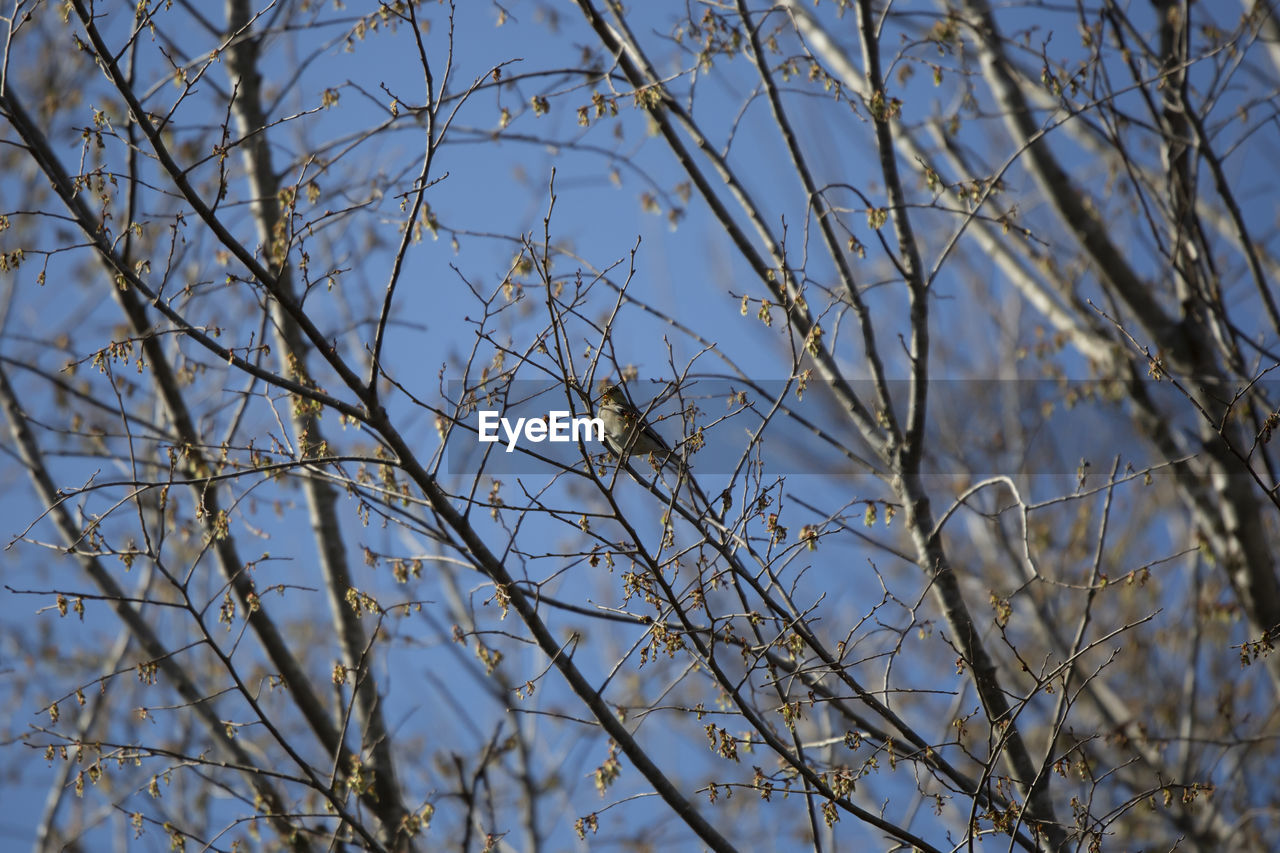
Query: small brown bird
point(625, 431)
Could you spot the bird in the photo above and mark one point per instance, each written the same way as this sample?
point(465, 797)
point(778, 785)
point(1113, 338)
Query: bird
point(626, 432)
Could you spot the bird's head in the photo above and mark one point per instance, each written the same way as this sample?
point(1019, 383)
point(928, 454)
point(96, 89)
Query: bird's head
point(615, 395)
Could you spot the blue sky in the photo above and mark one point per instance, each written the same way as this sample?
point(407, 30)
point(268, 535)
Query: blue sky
point(492, 184)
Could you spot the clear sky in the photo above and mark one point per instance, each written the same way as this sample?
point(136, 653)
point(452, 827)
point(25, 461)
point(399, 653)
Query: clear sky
point(623, 207)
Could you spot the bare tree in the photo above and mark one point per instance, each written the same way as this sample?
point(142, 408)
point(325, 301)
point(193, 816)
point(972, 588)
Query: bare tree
point(957, 322)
